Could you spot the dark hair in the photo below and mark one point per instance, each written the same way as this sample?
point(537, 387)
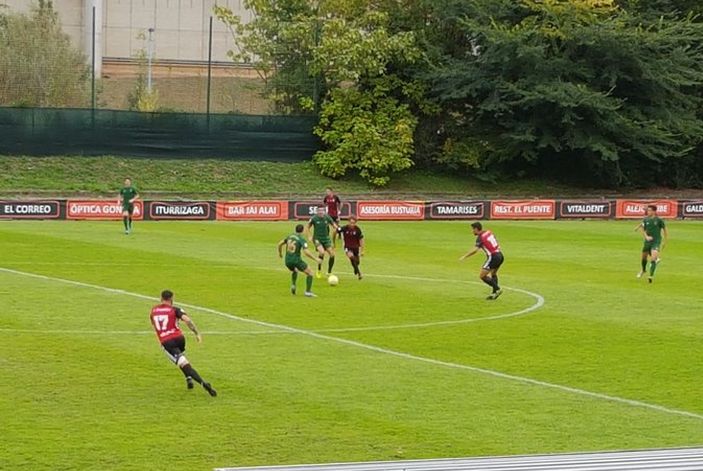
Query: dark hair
point(299, 228)
point(166, 295)
point(477, 225)
point(653, 207)
point(329, 188)
point(353, 218)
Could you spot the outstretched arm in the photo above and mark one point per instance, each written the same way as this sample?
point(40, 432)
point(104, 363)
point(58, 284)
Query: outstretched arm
point(191, 325)
point(666, 236)
point(468, 254)
point(281, 244)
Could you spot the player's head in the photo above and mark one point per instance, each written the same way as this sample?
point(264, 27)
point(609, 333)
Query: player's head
point(127, 182)
point(320, 211)
point(299, 229)
point(651, 210)
point(476, 227)
point(167, 296)
point(329, 191)
point(352, 221)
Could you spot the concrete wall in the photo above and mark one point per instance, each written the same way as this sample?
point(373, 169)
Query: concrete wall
point(181, 26)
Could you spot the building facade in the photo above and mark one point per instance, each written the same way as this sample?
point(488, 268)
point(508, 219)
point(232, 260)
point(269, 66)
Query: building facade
point(180, 27)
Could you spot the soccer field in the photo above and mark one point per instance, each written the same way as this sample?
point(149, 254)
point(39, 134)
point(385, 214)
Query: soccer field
point(411, 362)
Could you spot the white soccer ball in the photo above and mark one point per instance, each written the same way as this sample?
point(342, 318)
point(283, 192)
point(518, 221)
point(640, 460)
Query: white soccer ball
point(333, 280)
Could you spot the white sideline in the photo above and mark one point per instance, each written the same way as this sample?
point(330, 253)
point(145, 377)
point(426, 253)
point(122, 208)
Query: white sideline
point(385, 351)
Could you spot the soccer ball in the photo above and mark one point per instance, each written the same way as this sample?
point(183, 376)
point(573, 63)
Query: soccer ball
point(333, 280)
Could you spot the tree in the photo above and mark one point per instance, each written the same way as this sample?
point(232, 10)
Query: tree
point(577, 88)
point(347, 50)
point(38, 64)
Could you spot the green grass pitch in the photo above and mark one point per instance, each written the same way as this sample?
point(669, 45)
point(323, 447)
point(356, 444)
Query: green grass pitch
point(85, 386)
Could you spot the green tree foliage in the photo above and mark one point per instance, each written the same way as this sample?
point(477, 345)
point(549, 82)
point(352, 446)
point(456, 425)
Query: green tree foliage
point(602, 91)
point(347, 50)
point(38, 64)
point(579, 88)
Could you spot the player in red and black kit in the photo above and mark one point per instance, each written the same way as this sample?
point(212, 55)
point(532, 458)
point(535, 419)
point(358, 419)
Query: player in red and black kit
point(486, 241)
point(333, 205)
point(353, 243)
point(164, 318)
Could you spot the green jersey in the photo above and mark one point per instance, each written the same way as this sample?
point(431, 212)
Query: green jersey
point(321, 226)
point(128, 193)
point(653, 227)
point(295, 243)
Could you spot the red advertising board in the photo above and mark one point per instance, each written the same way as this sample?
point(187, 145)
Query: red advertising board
point(635, 209)
point(100, 209)
point(523, 209)
point(390, 210)
point(252, 210)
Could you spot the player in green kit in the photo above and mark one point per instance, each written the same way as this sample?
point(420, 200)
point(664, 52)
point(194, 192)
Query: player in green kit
point(128, 195)
point(295, 244)
point(320, 223)
point(652, 228)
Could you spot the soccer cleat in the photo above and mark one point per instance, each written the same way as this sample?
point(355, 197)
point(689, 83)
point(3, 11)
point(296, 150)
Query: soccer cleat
point(210, 390)
point(640, 274)
point(310, 294)
point(360, 276)
point(126, 232)
point(650, 279)
point(189, 383)
point(318, 274)
point(497, 294)
point(292, 290)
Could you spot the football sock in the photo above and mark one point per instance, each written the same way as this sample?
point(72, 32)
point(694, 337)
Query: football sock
point(495, 278)
point(355, 265)
point(330, 264)
point(653, 267)
point(126, 225)
point(294, 277)
point(488, 281)
point(308, 283)
point(189, 371)
point(130, 222)
point(644, 265)
point(319, 265)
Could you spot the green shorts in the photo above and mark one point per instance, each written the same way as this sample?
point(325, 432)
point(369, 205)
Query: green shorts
point(649, 246)
point(298, 265)
point(129, 208)
point(326, 243)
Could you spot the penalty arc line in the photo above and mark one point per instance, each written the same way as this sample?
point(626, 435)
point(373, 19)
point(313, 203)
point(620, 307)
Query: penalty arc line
point(385, 351)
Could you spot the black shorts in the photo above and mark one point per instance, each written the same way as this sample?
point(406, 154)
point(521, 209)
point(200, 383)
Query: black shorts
point(129, 208)
point(354, 252)
point(174, 348)
point(494, 261)
point(335, 219)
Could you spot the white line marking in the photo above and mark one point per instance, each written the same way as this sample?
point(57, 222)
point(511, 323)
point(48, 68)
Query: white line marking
point(539, 302)
point(131, 332)
point(385, 351)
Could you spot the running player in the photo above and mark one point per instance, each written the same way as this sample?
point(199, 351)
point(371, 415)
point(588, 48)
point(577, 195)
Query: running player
point(320, 238)
point(333, 204)
point(295, 244)
point(126, 198)
point(652, 228)
point(334, 208)
point(164, 319)
point(486, 241)
point(353, 243)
